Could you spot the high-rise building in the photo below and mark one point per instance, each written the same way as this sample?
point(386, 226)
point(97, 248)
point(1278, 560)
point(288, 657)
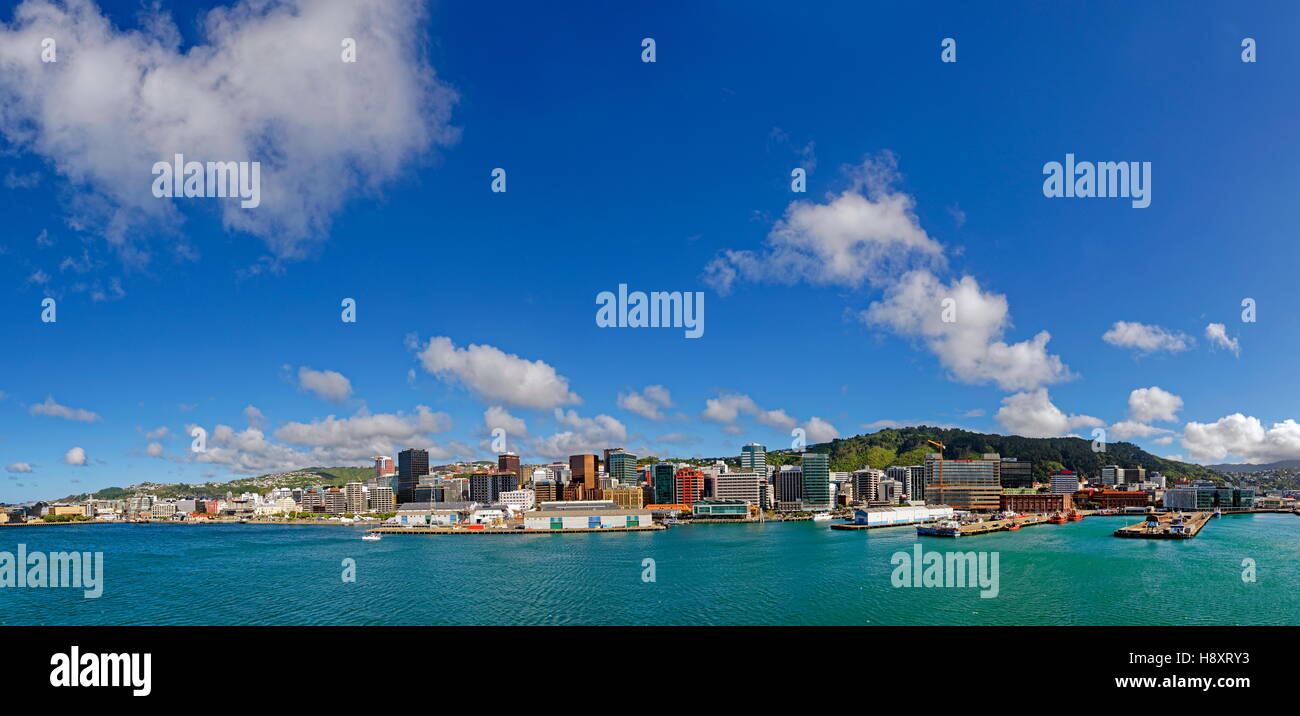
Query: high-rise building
point(508, 462)
point(335, 501)
point(1015, 473)
point(745, 486)
point(788, 481)
point(1116, 475)
point(866, 484)
point(381, 499)
point(916, 482)
point(817, 480)
point(663, 479)
point(753, 458)
point(355, 497)
point(963, 484)
point(621, 466)
point(1064, 482)
point(546, 490)
point(412, 463)
point(383, 466)
point(584, 470)
point(689, 482)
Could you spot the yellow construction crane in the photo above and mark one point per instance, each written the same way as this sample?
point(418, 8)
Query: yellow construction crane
point(938, 445)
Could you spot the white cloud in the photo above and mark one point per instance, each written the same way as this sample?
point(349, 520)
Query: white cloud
point(365, 434)
point(254, 417)
point(1032, 415)
point(1165, 440)
point(1243, 438)
point(19, 467)
point(157, 433)
point(326, 384)
point(726, 408)
point(583, 435)
point(817, 430)
point(1146, 338)
point(496, 376)
point(1126, 429)
point(154, 450)
point(498, 417)
point(53, 409)
point(970, 346)
point(324, 131)
point(649, 403)
point(865, 234)
point(1217, 333)
point(1150, 404)
point(677, 439)
point(76, 457)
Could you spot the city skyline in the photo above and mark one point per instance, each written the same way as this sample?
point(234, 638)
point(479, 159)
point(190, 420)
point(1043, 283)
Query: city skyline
point(477, 310)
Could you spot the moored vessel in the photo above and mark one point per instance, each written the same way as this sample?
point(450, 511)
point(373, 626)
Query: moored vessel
point(944, 528)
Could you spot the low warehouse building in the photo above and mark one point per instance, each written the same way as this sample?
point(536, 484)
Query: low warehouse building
point(586, 519)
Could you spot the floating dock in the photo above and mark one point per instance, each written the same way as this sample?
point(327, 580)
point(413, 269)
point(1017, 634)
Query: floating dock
point(1165, 527)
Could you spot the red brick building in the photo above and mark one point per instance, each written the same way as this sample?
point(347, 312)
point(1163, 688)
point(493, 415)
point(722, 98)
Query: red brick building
point(1035, 502)
point(1116, 499)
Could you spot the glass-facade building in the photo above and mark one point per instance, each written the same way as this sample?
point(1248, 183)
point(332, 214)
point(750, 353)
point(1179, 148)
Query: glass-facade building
point(816, 480)
point(665, 486)
point(963, 484)
point(622, 467)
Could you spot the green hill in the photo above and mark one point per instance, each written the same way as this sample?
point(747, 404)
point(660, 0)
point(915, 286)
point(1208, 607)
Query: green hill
point(908, 446)
point(306, 477)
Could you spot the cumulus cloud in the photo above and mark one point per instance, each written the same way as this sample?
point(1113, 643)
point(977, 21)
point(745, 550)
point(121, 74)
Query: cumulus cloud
point(324, 131)
point(969, 346)
point(498, 417)
point(495, 376)
point(1243, 438)
point(154, 450)
point(75, 457)
point(54, 410)
point(1126, 429)
point(1146, 338)
point(1031, 414)
point(580, 435)
point(326, 384)
point(1149, 404)
point(817, 430)
point(158, 433)
point(19, 467)
point(1217, 333)
point(865, 234)
point(727, 408)
point(649, 403)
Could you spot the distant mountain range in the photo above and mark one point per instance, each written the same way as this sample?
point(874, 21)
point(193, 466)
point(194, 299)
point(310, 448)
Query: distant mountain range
point(1279, 465)
point(306, 477)
point(908, 446)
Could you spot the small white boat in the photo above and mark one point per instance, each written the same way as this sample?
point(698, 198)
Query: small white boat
point(371, 537)
point(822, 517)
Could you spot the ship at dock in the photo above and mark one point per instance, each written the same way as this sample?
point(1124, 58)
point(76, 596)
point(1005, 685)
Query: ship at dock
point(943, 528)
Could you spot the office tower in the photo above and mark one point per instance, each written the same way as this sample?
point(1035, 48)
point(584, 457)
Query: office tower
point(753, 458)
point(381, 499)
point(412, 463)
point(545, 490)
point(963, 484)
point(335, 501)
point(916, 482)
point(621, 466)
point(745, 486)
point(355, 497)
point(504, 482)
point(312, 500)
point(1064, 482)
point(866, 484)
point(788, 481)
point(663, 478)
point(508, 462)
point(690, 486)
point(817, 480)
point(584, 470)
point(383, 466)
point(482, 487)
point(1015, 473)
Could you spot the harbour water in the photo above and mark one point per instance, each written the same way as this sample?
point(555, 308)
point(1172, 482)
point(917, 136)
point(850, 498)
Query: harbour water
point(755, 574)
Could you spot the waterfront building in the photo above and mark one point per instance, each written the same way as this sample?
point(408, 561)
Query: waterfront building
point(873, 516)
point(866, 483)
point(486, 487)
point(789, 488)
point(744, 486)
point(412, 464)
point(381, 499)
point(354, 497)
point(963, 484)
point(689, 484)
point(817, 480)
point(545, 490)
point(1209, 497)
point(725, 509)
point(1030, 501)
point(663, 478)
point(1116, 499)
point(753, 458)
point(621, 466)
point(312, 501)
point(627, 497)
point(1113, 475)
point(1065, 482)
point(583, 468)
point(589, 518)
point(1015, 473)
point(335, 501)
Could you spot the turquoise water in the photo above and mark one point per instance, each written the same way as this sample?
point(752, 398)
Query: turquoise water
point(794, 573)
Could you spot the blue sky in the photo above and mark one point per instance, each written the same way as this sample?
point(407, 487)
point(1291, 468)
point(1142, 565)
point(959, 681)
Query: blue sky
point(175, 313)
